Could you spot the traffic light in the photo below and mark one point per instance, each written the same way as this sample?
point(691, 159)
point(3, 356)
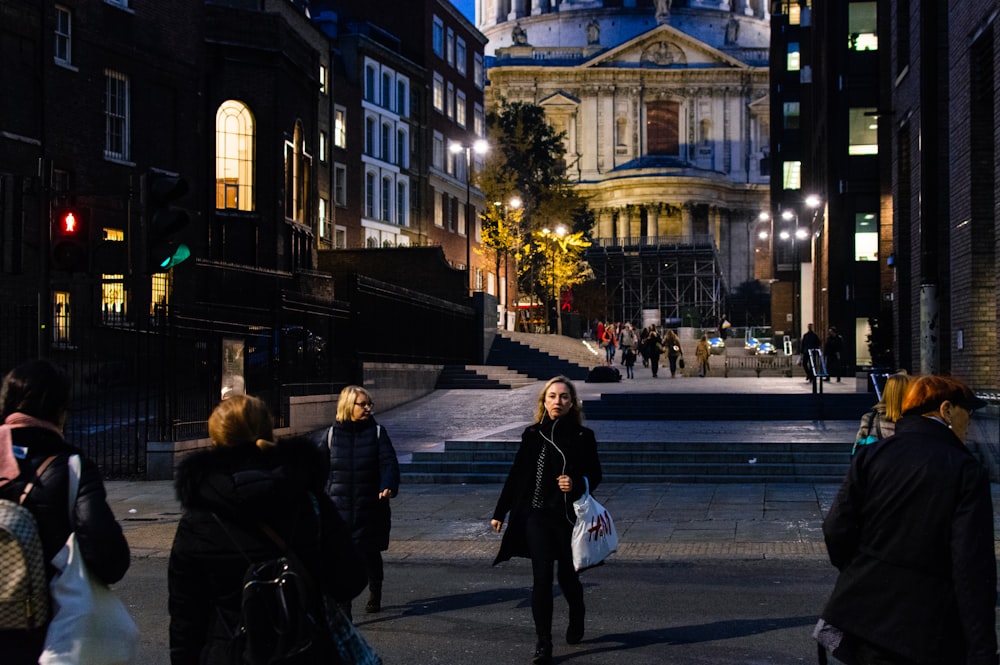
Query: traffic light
point(162, 221)
point(68, 238)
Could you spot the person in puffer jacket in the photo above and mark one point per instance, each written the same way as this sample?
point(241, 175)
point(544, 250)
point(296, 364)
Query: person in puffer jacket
point(362, 475)
point(227, 492)
point(33, 402)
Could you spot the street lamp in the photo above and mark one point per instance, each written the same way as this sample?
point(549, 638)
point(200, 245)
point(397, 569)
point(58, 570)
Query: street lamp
point(511, 239)
point(480, 147)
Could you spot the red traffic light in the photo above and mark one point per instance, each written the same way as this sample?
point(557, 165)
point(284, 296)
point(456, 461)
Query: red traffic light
point(68, 239)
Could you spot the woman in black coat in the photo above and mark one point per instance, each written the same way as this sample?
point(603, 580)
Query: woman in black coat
point(363, 475)
point(911, 532)
point(547, 476)
point(229, 490)
point(33, 404)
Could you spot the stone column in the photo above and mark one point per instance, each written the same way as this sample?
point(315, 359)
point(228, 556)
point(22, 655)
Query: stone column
point(653, 221)
point(605, 224)
point(634, 221)
point(622, 231)
point(518, 9)
point(537, 7)
point(687, 222)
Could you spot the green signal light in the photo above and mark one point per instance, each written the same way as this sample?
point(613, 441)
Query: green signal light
point(180, 255)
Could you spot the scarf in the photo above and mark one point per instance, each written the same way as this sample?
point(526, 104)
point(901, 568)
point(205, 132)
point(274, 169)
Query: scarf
point(9, 470)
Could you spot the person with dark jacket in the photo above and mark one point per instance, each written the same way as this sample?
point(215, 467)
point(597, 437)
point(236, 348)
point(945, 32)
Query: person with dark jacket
point(33, 402)
point(362, 475)
point(911, 532)
point(833, 349)
point(557, 452)
point(654, 349)
point(229, 492)
point(810, 341)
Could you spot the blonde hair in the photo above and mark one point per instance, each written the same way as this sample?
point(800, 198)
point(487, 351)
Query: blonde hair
point(345, 405)
point(893, 393)
point(241, 420)
point(576, 410)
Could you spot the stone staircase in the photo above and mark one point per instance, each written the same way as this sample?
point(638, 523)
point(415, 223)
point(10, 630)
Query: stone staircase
point(640, 462)
point(481, 377)
point(542, 356)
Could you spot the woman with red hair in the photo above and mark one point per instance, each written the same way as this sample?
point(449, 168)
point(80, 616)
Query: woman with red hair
point(911, 532)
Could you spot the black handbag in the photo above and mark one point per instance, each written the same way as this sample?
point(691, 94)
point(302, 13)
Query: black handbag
point(680, 363)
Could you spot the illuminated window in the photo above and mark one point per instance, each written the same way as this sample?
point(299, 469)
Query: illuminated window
point(438, 93)
point(323, 225)
point(449, 47)
point(112, 300)
point(794, 57)
point(862, 133)
point(234, 157)
point(460, 56)
point(862, 26)
point(865, 237)
point(791, 115)
point(461, 113)
point(791, 177)
point(479, 71)
point(60, 318)
point(322, 146)
point(322, 79)
point(159, 293)
point(340, 127)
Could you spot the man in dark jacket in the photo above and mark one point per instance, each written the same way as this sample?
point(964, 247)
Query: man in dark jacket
point(911, 532)
point(809, 342)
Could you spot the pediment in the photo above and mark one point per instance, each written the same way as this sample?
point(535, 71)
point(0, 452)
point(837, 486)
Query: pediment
point(665, 47)
point(559, 100)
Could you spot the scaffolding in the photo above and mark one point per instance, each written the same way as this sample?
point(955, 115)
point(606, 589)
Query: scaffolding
point(681, 280)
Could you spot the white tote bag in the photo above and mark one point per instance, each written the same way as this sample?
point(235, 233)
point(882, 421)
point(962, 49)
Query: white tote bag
point(90, 625)
point(594, 535)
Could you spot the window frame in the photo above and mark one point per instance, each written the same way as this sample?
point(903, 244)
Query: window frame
point(117, 120)
point(63, 33)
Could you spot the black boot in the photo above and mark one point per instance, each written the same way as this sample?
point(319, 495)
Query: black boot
point(374, 598)
point(543, 651)
point(574, 632)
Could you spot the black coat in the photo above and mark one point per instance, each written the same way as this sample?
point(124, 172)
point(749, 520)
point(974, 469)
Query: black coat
point(361, 463)
point(282, 487)
point(911, 531)
point(102, 544)
point(578, 458)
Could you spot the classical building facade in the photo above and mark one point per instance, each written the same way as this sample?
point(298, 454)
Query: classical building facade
point(665, 112)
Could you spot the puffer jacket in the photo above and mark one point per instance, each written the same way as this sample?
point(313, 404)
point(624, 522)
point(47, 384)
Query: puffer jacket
point(361, 463)
point(575, 457)
point(225, 492)
point(102, 544)
point(911, 532)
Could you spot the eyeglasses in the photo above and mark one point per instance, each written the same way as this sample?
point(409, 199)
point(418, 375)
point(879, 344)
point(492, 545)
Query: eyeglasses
point(365, 405)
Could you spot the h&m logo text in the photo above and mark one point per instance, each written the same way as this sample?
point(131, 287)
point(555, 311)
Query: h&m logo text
point(600, 526)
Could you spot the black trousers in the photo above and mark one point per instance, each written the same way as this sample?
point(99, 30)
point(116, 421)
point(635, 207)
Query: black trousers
point(548, 539)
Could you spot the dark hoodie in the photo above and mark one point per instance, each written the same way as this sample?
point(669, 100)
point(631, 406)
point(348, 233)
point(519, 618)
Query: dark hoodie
point(281, 486)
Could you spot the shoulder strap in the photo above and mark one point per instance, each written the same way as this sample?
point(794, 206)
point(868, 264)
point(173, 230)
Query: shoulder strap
point(38, 476)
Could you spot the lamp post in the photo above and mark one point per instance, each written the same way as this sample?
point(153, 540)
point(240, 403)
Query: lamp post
point(512, 240)
point(480, 147)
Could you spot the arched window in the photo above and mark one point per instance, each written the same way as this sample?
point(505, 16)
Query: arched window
point(401, 203)
point(370, 195)
point(386, 199)
point(234, 156)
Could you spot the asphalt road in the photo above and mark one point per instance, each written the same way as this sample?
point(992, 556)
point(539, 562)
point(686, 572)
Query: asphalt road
point(723, 611)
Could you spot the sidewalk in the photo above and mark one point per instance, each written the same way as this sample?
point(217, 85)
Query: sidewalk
point(655, 521)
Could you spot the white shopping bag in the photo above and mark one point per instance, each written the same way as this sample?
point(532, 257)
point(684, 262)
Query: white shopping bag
point(594, 535)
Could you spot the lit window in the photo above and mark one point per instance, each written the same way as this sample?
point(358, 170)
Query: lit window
point(794, 57)
point(117, 118)
point(862, 26)
point(322, 146)
point(322, 79)
point(438, 93)
point(234, 157)
point(791, 177)
point(479, 121)
point(340, 127)
point(60, 318)
point(112, 300)
point(159, 299)
point(64, 36)
point(862, 132)
point(460, 110)
point(323, 226)
point(865, 237)
point(449, 101)
point(437, 151)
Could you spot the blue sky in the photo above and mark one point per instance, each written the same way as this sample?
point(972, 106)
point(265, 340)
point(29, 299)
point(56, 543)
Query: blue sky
point(467, 7)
